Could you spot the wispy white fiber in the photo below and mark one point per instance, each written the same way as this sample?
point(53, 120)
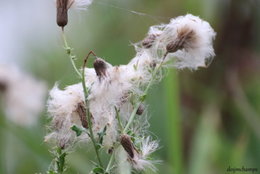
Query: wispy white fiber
point(23, 96)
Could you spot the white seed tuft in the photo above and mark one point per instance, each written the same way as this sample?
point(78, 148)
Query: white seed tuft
point(24, 96)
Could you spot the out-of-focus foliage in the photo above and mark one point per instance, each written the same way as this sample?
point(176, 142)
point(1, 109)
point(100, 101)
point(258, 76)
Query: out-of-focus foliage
point(207, 120)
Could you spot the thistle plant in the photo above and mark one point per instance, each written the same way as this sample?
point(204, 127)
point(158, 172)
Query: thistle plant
point(107, 107)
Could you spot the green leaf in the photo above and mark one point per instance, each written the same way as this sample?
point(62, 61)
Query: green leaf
point(51, 172)
point(98, 146)
point(77, 130)
point(101, 135)
point(98, 170)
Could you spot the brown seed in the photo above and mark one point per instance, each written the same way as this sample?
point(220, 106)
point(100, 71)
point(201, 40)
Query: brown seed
point(140, 109)
point(100, 67)
point(111, 150)
point(127, 145)
point(149, 40)
point(62, 12)
point(81, 110)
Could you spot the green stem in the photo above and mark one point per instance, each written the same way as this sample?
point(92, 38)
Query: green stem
point(91, 134)
point(110, 162)
point(119, 120)
point(60, 160)
point(69, 52)
point(142, 98)
point(131, 119)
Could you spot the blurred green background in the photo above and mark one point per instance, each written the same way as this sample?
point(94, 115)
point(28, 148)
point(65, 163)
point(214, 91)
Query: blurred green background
point(206, 120)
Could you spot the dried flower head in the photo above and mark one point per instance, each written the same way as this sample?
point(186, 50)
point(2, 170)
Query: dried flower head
point(64, 5)
point(100, 67)
point(187, 39)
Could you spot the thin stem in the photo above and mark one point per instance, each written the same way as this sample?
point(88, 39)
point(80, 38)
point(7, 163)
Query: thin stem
point(69, 53)
point(60, 160)
point(142, 98)
point(85, 90)
point(131, 119)
point(119, 120)
point(110, 162)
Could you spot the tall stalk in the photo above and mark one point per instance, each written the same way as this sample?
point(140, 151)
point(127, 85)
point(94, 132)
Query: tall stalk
point(85, 91)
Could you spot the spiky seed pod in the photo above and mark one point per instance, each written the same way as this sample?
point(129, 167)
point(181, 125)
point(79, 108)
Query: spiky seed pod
point(140, 109)
point(149, 40)
point(185, 39)
point(81, 110)
point(127, 145)
point(62, 12)
point(100, 67)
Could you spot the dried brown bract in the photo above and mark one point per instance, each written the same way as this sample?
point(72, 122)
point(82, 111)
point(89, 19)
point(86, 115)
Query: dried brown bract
point(100, 67)
point(81, 110)
point(149, 40)
point(127, 145)
point(186, 38)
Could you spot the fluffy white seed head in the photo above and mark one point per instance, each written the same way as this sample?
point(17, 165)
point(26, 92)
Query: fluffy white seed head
point(23, 95)
point(186, 42)
point(142, 160)
point(63, 108)
point(190, 39)
point(138, 157)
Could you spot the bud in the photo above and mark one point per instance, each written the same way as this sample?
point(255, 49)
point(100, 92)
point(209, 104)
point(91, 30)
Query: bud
point(127, 145)
point(62, 12)
point(81, 110)
point(100, 67)
point(185, 39)
point(149, 40)
point(140, 109)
